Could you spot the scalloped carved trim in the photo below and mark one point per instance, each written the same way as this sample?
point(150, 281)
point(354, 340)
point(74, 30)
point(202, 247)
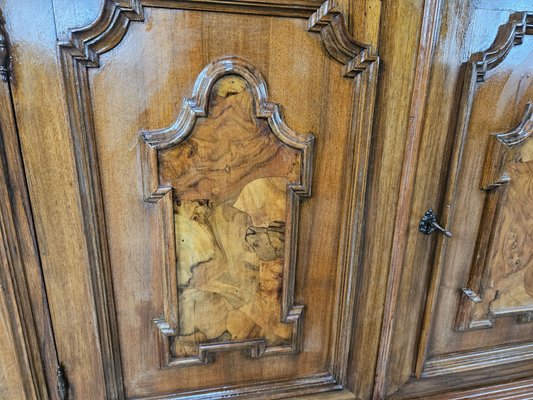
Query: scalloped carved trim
point(339, 43)
point(88, 43)
point(523, 130)
point(196, 106)
point(509, 35)
point(192, 108)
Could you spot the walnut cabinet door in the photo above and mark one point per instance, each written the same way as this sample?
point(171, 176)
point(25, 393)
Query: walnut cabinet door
point(470, 323)
point(221, 153)
point(489, 204)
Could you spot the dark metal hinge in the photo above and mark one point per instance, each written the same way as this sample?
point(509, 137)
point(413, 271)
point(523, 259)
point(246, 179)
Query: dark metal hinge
point(62, 383)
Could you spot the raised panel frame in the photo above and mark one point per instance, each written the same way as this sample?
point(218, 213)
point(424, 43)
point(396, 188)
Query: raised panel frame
point(23, 298)
point(415, 374)
point(82, 51)
point(153, 141)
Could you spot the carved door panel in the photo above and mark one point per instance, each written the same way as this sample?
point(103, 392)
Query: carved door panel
point(472, 325)
point(488, 205)
point(483, 309)
point(221, 152)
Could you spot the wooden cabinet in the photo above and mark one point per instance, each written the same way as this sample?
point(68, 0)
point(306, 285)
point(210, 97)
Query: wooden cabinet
point(214, 199)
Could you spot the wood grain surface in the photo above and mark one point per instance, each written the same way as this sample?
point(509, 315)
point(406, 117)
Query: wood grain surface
point(230, 191)
point(109, 103)
point(501, 277)
point(149, 174)
point(425, 335)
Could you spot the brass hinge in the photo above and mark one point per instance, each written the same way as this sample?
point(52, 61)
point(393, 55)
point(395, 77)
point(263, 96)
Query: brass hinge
point(62, 383)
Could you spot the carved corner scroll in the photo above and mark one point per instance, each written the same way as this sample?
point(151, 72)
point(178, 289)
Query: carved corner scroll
point(504, 150)
point(330, 22)
point(86, 44)
point(509, 34)
point(229, 218)
point(495, 173)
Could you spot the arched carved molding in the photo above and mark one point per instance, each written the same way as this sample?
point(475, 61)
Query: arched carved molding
point(83, 49)
point(157, 140)
point(196, 106)
point(521, 132)
point(109, 28)
point(510, 34)
point(86, 44)
point(339, 43)
point(503, 149)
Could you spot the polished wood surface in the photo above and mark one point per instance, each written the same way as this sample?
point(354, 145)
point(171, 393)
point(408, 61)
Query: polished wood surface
point(500, 72)
point(21, 374)
point(51, 177)
point(27, 350)
point(122, 229)
point(338, 395)
point(428, 353)
point(212, 199)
